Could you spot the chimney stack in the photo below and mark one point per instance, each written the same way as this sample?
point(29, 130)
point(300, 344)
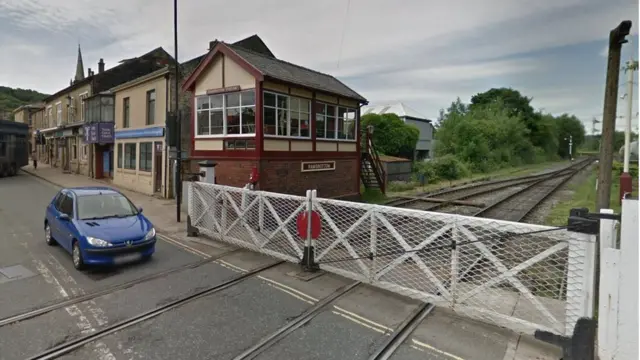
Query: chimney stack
point(89, 71)
point(213, 44)
point(100, 66)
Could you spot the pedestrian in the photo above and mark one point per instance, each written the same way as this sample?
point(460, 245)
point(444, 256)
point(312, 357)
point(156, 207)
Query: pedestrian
point(35, 160)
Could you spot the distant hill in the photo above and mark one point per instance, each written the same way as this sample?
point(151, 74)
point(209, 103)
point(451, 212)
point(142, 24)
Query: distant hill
point(10, 99)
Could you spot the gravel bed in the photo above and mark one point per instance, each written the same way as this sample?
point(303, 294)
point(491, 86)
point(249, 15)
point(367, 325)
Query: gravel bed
point(565, 193)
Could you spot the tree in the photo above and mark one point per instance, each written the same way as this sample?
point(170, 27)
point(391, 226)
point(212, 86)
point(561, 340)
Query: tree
point(391, 135)
point(485, 137)
point(540, 128)
point(569, 125)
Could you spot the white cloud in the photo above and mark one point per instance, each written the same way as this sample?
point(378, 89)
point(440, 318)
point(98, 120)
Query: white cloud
point(426, 52)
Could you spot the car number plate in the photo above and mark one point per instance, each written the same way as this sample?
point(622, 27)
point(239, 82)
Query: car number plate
point(126, 258)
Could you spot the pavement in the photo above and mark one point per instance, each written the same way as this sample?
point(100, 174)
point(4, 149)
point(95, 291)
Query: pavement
point(218, 326)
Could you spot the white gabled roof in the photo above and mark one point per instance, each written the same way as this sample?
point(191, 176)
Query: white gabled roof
point(398, 108)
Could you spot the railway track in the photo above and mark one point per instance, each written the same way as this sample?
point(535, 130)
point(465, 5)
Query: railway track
point(540, 187)
point(502, 209)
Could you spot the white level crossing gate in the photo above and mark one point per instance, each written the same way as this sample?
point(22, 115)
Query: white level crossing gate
point(521, 276)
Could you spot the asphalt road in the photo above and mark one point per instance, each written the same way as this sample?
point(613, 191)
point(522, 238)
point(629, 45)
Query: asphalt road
point(218, 326)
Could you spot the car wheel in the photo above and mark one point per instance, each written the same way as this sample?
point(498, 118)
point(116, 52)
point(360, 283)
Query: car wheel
point(76, 254)
point(47, 235)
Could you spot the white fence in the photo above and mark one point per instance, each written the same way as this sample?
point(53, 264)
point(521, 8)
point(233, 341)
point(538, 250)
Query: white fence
point(521, 276)
point(618, 300)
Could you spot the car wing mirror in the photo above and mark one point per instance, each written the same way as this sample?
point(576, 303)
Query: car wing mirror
point(139, 208)
point(64, 217)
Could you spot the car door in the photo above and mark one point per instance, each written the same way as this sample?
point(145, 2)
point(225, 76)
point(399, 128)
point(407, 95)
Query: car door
point(66, 227)
point(54, 213)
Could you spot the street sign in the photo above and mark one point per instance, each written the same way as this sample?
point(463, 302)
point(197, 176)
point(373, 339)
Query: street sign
point(316, 225)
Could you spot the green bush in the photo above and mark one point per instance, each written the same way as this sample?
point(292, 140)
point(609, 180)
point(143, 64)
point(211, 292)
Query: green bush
point(449, 168)
point(618, 167)
point(427, 169)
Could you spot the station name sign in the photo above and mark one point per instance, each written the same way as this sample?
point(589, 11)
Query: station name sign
point(309, 166)
point(223, 90)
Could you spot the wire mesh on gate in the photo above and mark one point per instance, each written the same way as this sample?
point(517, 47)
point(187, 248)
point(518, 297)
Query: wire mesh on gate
point(256, 220)
point(521, 276)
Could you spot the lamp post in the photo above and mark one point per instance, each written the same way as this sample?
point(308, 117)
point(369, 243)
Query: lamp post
point(616, 39)
point(177, 116)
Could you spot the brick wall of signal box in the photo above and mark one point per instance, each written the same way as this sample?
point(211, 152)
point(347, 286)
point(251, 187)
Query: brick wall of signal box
point(284, 176)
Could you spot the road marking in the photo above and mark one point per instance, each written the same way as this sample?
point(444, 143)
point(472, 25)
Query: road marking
point(360, 320)
point(74, 311)
point(184, 246)
point(436, 350)
point(361, 323)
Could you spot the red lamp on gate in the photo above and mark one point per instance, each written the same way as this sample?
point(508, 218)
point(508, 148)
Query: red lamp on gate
point(254, 177)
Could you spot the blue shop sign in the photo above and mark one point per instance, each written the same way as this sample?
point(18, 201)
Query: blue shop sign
point(140, 133)
point(98, 133)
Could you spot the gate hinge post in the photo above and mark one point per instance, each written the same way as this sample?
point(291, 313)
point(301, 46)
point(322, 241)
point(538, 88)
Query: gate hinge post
point(581, 221)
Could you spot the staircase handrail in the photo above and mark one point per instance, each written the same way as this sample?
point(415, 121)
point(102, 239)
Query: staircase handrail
point(377, 167)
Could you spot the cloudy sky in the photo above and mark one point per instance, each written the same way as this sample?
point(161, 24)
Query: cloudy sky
point(421, 52)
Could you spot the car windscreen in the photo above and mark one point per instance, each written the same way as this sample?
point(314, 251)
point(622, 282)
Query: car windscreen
point(102, 206)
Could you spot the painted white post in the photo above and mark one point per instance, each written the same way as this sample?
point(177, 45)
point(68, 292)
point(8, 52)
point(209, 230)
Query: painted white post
point(608, 304)
point(628, 305)
point(608, 234)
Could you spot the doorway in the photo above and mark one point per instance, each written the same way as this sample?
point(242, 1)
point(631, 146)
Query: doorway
point(157, 166)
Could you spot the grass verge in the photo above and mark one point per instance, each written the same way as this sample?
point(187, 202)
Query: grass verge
point(584, 196)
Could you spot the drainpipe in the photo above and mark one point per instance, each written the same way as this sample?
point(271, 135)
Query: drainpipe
point(166, 145)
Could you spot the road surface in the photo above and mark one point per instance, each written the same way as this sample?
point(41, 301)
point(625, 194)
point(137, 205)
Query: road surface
point(218, 326)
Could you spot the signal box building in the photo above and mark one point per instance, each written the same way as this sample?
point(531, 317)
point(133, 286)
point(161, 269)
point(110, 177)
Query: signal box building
point(298, 129)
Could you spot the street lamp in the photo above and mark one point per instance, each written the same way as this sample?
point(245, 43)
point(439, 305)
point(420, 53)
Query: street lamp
point(178, 125)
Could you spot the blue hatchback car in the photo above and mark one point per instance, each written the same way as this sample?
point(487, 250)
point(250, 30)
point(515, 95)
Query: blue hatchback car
point(98, 226)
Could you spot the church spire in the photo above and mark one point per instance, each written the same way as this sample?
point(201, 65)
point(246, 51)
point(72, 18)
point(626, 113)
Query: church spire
point(79, 67)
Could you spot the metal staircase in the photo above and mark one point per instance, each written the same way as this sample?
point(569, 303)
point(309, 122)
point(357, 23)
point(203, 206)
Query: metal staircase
point(372, 172)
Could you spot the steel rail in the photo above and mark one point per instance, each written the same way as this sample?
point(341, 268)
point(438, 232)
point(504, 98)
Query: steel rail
point(72, 345)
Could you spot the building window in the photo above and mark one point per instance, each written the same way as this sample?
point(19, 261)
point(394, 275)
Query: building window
point(85, 151)
point(74, 152)
point(82, 105)
point(125, 113)
point(50, 117)
point(335, 122)
point(286, 115)
point(240, 144)
point(146, 150)
point(130, 156)
point(151, 107)
point(346, 123)
point(120, 156)
point(226, 114)
point(59, 113)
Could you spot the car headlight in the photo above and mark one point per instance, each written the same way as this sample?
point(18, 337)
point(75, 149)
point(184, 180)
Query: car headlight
point(98, 242)
point(150, 235)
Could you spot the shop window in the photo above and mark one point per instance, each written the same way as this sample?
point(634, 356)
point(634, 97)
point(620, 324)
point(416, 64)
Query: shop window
point(146, 151)
point(130, 156)
point(120, 156)
point(226, 114)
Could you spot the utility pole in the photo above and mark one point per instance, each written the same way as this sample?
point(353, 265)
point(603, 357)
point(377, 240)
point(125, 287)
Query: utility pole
point(178, 124)
point(616, 39)
point(626, 183)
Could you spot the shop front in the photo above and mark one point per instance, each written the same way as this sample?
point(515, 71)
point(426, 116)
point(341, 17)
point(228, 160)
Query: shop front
point(100, 137)
point(141, 161)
